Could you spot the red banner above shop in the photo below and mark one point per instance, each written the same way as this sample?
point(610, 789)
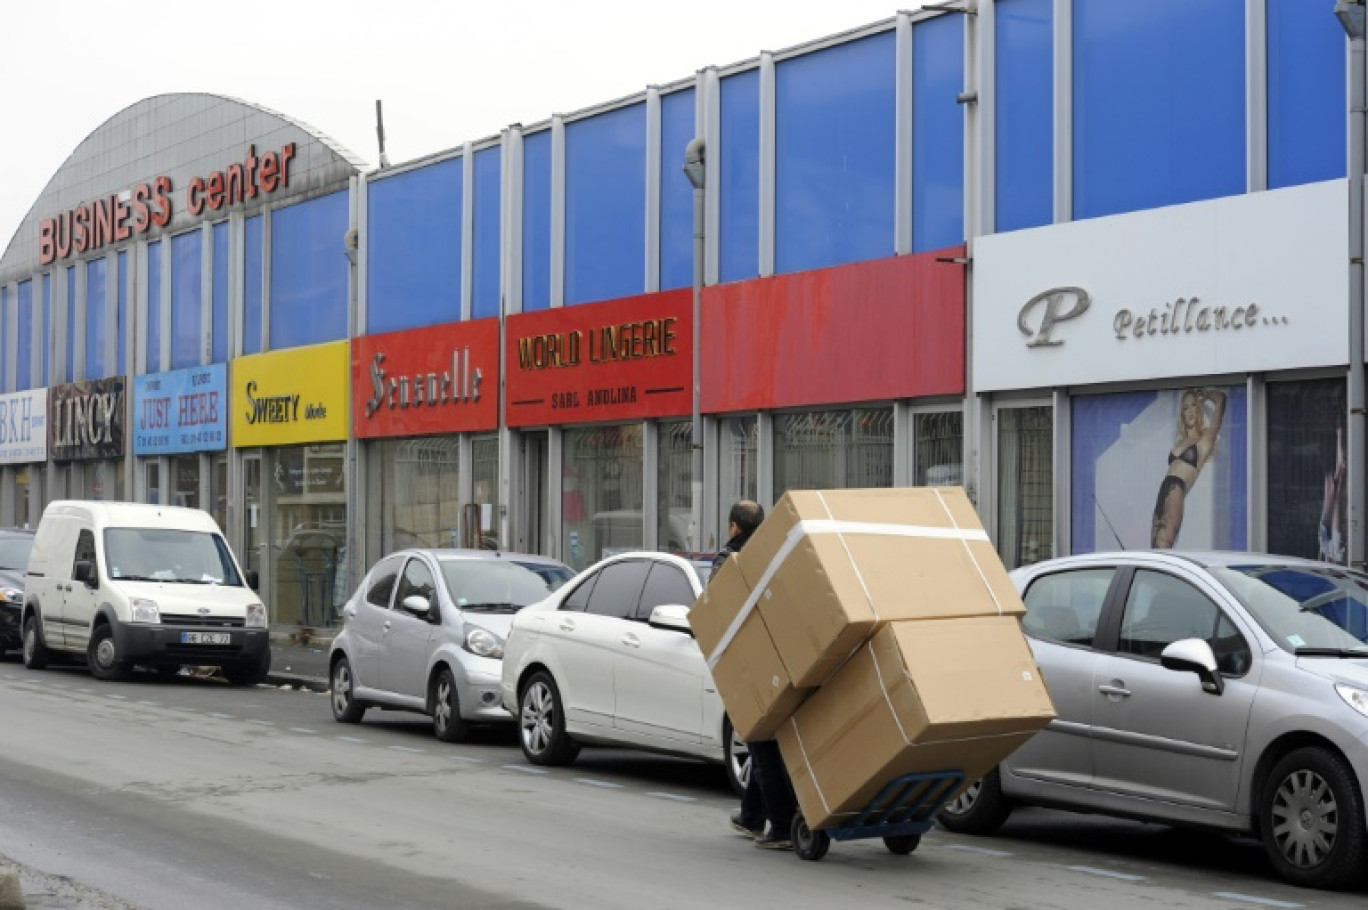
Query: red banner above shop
point(892, 328)
point(626, 359)
point(443, 379)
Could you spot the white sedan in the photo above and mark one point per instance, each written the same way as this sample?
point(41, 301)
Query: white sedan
point(609, 659)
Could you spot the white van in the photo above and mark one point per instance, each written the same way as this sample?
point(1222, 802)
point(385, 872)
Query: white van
point(125, 584)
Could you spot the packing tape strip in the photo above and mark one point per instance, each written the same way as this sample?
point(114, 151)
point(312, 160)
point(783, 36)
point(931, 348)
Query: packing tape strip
point(970, 553)
point(807, 763)
point(859, 576)
point(888, 699)
point(834, 526)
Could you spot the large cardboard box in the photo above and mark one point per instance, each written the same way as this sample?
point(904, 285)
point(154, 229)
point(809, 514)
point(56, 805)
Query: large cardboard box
point(831, 566)
point(745, 666)
point(921, 696)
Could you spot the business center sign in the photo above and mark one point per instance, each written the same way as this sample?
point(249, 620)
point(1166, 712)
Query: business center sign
point(181, 411)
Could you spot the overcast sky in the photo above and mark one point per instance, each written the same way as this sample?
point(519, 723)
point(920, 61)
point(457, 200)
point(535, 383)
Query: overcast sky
point(447, 72)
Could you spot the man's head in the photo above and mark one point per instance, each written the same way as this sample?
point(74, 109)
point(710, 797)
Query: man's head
point(745, 517)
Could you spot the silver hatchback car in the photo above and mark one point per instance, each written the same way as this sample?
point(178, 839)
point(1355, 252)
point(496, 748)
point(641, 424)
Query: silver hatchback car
point(425, 632)
point(1219, 690)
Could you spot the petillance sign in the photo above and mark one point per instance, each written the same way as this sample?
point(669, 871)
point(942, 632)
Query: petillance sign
point(86, 420)
point(181, 411)
point(290, 397)
point(23, 427)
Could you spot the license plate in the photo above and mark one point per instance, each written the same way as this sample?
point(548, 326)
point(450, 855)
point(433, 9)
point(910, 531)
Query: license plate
point(206, 638)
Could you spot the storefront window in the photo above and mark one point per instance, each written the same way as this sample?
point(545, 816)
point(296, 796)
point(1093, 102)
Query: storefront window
point(103, 480)
point(1307, 484)
point(736, 464)
point(940, 449)
point(418, 494)
point(1025, 485)
point(218, 489)
point(602, 493)
point(674, 486)
point(309, 531)
point(21, 496)
point(484, 473)
point(185, 477)
point(833, 450)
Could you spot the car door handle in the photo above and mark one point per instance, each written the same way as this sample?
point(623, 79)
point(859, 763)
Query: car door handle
point(631, 640)
point(387, 625)
point(567, 625)
point(1116, 688)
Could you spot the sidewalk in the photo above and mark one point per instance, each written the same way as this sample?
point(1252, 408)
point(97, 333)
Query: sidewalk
point(300, 663)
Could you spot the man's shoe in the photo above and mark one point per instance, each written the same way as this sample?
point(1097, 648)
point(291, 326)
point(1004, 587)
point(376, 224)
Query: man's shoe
point(774, 841)
point(741, 828)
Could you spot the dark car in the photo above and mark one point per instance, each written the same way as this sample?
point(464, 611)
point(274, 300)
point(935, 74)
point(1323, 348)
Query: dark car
point(15, 544)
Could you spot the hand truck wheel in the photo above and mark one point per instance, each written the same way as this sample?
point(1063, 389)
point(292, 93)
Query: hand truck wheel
point(808, 844)
point(901, 845)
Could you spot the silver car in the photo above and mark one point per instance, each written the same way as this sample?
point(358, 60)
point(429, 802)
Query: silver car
point(1221, 690)
point(425, 632)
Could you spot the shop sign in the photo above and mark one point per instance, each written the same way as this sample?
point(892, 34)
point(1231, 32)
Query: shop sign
point(23, 427)
point(290, 397)
point(135, 211)
point(426, 381)
point(869, 331)
point(181, 411)
point(1243, 284)
point(86, 420)
point(626, 359)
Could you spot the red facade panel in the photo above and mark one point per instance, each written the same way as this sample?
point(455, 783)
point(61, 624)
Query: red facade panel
point(892, 328)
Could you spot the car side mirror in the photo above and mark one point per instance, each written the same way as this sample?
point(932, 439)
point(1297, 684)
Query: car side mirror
point(253, 579)
point(1193, 655)
point(419, 606)
point(674, 617)
point(84, 572)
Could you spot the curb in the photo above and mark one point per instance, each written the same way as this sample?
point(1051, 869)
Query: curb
point(311, 683)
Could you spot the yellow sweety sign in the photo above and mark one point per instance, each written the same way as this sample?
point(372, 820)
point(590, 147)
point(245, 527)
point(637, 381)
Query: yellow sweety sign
point(291, 397)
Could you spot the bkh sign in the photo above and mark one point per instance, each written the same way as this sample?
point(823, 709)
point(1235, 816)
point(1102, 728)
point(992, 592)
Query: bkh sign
point(23, 427)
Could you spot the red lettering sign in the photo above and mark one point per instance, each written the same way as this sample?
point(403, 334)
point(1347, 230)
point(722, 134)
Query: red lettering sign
point(443, 379)
point(627, 359)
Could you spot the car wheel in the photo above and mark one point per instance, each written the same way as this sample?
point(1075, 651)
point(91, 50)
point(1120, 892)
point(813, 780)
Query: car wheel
point(1312, 822)
point(103, 656)
point(248, 674)
point(36, 654)
point(446, 709)
point(980, 809)
point(541, 723)
point(345, 708)
point(737, 756)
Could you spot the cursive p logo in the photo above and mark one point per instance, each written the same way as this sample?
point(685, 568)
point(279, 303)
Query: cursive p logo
point(1059, 304)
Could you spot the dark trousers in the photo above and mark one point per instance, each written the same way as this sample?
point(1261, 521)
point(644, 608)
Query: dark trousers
point(769, 794)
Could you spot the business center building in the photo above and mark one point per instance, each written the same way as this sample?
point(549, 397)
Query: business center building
point(988, 250)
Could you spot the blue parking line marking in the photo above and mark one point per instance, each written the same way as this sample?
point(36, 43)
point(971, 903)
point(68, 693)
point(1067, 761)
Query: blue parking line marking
point(151, 704)
point(86, 691)
point(982, 851)
point(220, 715)
point(351, 739)
point(304, 730)
point(406, 749)
point(605, 784)
point(119, 697)
point(1251, 899)
point(526, 769)
point(468, 759)
point(674, 796)
point(262, 723)
point(1106, 873)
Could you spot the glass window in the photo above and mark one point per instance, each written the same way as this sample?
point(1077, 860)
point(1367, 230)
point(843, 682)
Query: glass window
point(665, 586)
point(619, 589)
point(494, 585)
point(15, 550)
point(1160, 610)
point(1066, 606)
point(1316, 607)
point(937, 134)
point(309, 272)
point(833, 450)
point(485, 290)
point(96, 320)
point(674, 487)
point(1024, 159)
point(602, 492)
point(739, 178)
point(46, 345)
point(308, 532)
point(417, 581)
point(835, 155)
point(103, 480)
point(218, 489)
point(122, 294)
point(939, 448)
point(85, 550)
point(154, 307)
point(676, 193)
point(219, 295)
point(24, 359)
point(186, 265)
point(185, 478)
point(419, 492)
point(413, 264)
point(1307, 477)
point(736, 464)
point(1025, 485)
point(578, 599)
point(168, 555)
point(484, 475)
point(536, 239)
point(605, 205)
point(253, 258)
point(380, 584)
point(1306, 94)
point(70, 371)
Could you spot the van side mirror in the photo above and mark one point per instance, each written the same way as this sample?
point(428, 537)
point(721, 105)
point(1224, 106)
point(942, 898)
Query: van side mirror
point(253, 579)
point(1193, 655)
point(84, 572)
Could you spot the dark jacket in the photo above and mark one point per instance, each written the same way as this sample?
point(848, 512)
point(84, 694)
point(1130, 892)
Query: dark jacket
point(732, 546)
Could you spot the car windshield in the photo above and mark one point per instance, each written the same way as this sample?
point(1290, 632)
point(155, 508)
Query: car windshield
point(14, 552)
point(169, 555)
point(497, 586)
point(1303, 607)
point(554, 575)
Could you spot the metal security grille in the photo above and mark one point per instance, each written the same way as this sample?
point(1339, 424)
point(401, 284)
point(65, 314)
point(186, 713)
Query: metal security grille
point(939, 449)
point(1025, 485)
point(736, 463)
point(484, 471)
point(828, 450)
point(674, 475)
point(601, 492)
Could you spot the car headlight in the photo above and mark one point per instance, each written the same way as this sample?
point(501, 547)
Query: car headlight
point(1353, 696)
point(13, 595)
point(145, 610)
point(256, 616)
point(483, 643)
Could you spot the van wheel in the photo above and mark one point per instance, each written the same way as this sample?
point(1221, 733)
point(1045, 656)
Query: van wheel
point(1312, 819)
point(103, 656)
point(36, 654)
point(447, 723)
point(248, 674)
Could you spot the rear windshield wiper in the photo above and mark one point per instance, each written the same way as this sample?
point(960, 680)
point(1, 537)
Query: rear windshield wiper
point(1332, 652)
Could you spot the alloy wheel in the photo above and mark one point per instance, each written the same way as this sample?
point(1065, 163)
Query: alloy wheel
point(441, 708)
point(965, 801)
point(538, 717)
point(740, 759)
point(341, 688)
point(1305, 818)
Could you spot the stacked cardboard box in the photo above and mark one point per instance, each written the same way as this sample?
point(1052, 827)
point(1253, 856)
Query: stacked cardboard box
point(892, 611)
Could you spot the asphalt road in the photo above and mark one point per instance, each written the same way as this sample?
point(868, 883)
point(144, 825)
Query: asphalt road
point(190, 793)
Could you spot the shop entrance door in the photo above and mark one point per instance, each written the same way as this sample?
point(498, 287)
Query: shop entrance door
point(533, 502)
point(253, 542)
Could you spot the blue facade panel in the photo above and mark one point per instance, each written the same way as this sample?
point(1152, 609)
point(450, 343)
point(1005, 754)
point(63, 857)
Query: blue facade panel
point(937, 134)
point(154, 302)
point(254, 276)
point(676, 193)
point(834, 155)
point(605, 205)
point(218, 297)
point(24, 356)
point(69, 371)
point(309, 272)
point(46, 346)
point(121, 292)
point(1306, 94)
point(485, 290)
point(1023, 167)
point(96, 319)
point(413, 261)
point(1159, 103)
point(739, 178)
point(186, 274)
point(536, 222)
